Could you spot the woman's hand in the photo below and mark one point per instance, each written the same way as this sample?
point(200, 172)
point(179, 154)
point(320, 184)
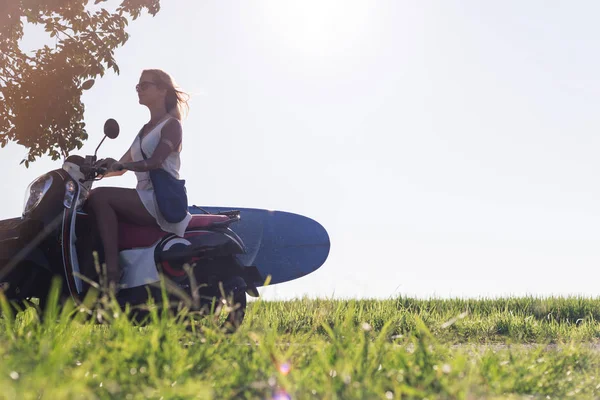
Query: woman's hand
point(105, 163)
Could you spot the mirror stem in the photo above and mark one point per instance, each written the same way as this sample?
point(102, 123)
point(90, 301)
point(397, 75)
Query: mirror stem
point(102, 141)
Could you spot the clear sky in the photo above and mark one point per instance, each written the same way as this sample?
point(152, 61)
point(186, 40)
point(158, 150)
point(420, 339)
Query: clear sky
point(448, 147)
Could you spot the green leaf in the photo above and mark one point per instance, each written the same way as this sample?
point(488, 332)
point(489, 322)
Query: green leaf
point(48, 78)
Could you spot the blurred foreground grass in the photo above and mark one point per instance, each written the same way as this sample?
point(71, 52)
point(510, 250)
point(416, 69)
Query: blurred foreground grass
point(310, 349)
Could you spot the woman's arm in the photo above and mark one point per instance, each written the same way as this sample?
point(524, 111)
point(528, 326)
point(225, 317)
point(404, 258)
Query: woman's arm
point(125, 159)
point(170, 140)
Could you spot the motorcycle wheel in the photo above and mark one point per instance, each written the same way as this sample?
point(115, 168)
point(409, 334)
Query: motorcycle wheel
point(237, 312)
point(24, 283)
point(226, 312)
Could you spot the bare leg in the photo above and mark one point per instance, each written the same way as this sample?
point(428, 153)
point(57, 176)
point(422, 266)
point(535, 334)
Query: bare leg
point(109, 204)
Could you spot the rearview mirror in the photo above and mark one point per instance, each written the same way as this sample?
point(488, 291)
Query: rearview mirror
point(111, 128)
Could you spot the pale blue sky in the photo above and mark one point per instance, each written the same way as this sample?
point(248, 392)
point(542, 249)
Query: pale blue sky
point(449, 148)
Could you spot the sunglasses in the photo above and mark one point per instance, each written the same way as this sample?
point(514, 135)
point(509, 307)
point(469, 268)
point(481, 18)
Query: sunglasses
point(140, 87)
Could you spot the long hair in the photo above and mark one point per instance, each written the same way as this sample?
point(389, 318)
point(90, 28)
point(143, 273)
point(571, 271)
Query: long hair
point(176, 100)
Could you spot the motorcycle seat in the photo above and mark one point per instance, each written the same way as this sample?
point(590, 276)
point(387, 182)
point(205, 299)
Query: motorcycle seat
point(135, 236)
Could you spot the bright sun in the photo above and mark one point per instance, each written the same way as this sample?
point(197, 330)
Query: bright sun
point(318, 27)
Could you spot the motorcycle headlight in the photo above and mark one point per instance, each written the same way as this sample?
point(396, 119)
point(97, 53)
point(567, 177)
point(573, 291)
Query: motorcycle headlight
point(35, 192)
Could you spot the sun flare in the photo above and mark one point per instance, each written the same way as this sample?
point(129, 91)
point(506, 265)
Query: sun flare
point(318, 27)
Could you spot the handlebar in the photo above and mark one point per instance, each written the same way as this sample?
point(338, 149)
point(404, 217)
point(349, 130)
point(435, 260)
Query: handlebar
point(91, 172)
point(86, 169)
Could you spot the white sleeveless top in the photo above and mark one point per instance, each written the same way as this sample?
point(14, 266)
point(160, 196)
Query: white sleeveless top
point(144, 185)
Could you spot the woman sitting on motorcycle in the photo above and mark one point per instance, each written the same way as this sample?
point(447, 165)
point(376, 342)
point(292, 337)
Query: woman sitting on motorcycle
point(161, 141)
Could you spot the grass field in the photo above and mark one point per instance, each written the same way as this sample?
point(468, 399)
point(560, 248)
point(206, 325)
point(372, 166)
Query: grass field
point(542, 348)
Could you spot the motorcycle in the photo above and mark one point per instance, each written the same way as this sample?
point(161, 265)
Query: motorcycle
point(55, 236)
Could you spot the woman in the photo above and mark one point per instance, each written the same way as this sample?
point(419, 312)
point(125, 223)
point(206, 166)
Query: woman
point(160, 140)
